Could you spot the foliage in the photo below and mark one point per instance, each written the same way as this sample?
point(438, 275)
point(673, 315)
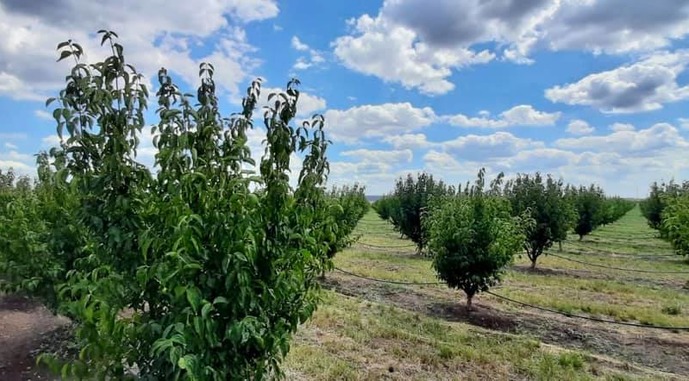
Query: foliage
point(675, 223)
point(545, 202)
point(589, 204)
point(412, 197)
point(472, 238)
point(353, 205)
point(42, 240)
point(387, 208)
point(659, 197)
point(614, 209)
point(200, 271)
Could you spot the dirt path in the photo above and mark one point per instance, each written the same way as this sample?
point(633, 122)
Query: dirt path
point(25, 328)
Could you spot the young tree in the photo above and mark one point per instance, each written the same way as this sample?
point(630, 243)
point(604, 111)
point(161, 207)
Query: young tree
point(676, 223)
point(589, 204)
point(215, 264)
point(348, 207)
point(472, 238)
point(41, 239)
point(412, 196)
point(545, 202)
point(660, 196)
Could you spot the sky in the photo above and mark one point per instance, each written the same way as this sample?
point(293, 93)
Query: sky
point(590, 91)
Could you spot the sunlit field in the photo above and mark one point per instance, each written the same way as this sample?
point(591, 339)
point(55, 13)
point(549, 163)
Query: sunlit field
point(369, 330)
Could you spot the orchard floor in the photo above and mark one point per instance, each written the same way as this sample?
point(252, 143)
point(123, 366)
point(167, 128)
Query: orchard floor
point(370, 330)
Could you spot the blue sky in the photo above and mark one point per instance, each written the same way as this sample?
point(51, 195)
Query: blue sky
point(591, 91)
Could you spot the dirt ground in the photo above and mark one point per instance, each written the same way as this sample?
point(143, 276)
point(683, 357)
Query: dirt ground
point(664, 351)
point(27, 329)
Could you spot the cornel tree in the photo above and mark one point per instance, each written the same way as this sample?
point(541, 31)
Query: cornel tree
point(204, 269)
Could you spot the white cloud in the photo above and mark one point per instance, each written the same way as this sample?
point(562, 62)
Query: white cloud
point(298, 45)
point(418, 43)
point(315, 57)
point(408, 141)
point(42, 114)
point(380, 156)
point(22, 163)
point(617, 127)
point(645, 142)
point(643, 86)
point(11, 146)
point(368, 121)
point(50, 141)
point(307, 104)
point(394, 54)
point(521, 115)
point(488, 147)
point(153, 36)
point(579, 127)
point(623, 162)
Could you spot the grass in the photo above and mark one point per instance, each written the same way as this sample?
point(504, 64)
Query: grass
point(385, 331)
point(351, 339)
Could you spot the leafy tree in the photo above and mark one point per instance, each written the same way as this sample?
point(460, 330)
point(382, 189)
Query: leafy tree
point(660, 196)
point(385, 207)
point(652, 207)
point(676, 223)
point(472, 238)
point(41, 240)
point(589, 204)
point(545, 202)
point(349, 205)
point(413, 196)
point(215, 265)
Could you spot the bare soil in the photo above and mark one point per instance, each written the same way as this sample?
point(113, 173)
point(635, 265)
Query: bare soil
point(27, 329)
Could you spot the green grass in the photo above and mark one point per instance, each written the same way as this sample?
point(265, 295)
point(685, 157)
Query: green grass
point(381, 335)
point(351, 339)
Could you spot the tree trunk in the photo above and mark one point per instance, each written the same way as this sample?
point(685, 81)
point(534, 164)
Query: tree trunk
point(322, 274)
point(560, 244)
point(581, 237)
point(469, 298)
point(533, 263)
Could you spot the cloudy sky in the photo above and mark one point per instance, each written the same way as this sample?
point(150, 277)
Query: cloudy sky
point(587, 90)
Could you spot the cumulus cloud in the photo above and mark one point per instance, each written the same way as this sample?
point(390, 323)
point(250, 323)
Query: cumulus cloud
point(50, 141)
point(380, 156)
point(22, 163)
point(315, 57)
point(633, 143)
point(419, 44)
point(522, 115)
point(579, 127)
point(298, 45)
point(642, 86)
point(408, 141)
point(393, 53)
point(153, 36)
point(622, 127)
point(307, 105)
point(624, 161)
point(488, 147)
point(353, 124)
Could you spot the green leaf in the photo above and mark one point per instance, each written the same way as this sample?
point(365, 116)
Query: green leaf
point(194, 298)
point(64, 54)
